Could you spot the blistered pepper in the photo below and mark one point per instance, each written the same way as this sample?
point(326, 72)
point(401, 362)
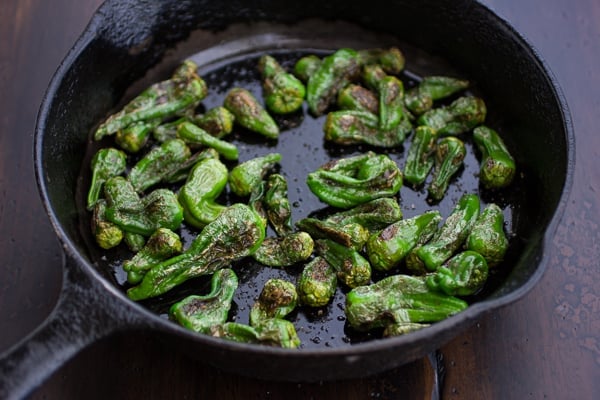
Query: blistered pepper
point(373, 215)
point(283, 92)
point(497, 165)
point(462, 275)
point(358, 98)
point(420, 98)
point(306, 66)
point(487, 236)
point(421, 155)
point(351, 235)
point(106, 233)
point(450, 153)
point(182, 172)
point(277, 299)
point(271, 332)
point(317, 283)
point(249, 113)
point(391, 60)
point(462, 115)
point(283, 251)
point(277, 204)
point(134, 137)
point(390, 91)
point(246, 176)
point(105, 164)
point(195, 135)
point(351, 267)
point(218, 121)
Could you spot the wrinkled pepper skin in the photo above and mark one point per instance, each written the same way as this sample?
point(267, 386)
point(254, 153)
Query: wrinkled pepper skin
point(105, 164)
point(168, 130)
point(348, 182)
point(421, 155)
point(162, 100)
point(358, 98)
point(194, 135)
point(244, 177)
point(283, 251)
point(334, 72)
point(387, 248)
point(256, 202)
point(277, 204)
point(198, 195)
point(390, 91)
point(487, 236)
point(351, 235)
point(449, 238)
point(351, 267)
point(391, 60)
point(249, 113)
point(106, 233)
point(277, 299)
point(218, 121)
point(463, 275)
point(398, 299)
point(282, 91)
point(420, 98)
point(462, 115)
point(402, 328)
point(373, 215)
point(161, 245)
point(317, 283)
point(271, 332)
point(347, 127)
point(158, 163)
point(236, 233)
point(450, 153)
point(306, 66)
point(159, 209)
point(202, 313)
point(182, 171)
point(134, 137)
point(497, 165)
point(134, 241)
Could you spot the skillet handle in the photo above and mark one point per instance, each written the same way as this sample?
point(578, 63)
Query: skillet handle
point(85, 313)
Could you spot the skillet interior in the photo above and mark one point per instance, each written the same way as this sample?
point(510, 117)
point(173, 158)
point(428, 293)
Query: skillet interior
point(136, 44)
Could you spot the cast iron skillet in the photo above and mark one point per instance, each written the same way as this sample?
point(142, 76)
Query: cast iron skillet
point(129, 44)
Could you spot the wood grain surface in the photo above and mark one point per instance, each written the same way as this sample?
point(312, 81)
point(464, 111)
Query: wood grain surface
point(545, 346)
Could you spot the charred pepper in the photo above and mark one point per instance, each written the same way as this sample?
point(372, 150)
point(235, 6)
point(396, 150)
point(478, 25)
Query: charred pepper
point(283, 92)
point(106, 233)
point(487, 236)
point(306, 66)
point(277, 205)
point(195, 135)
point(246, 176)
point(373, 215)
point(358, 98)
point(105, 164)
point(462, 115)
point(351, 235)
point(421, 155)
point(351, 267)
point(317, 283)
point(420, 98)
point(462, 275)
point(277, 299)
point(249, 113)
point(218, 121)
point(283, 251)
point(450, 153)
point(270, 332)
point(497, 165)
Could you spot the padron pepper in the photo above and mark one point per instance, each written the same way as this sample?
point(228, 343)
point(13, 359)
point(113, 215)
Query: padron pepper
point(201, 313)
point(387, 248)
point(194, 135)
point(402, 328)
point(398, 299)
point(348, 182)
point(283, 251)
point(358, 98)
point(390, 91)
point(421, 155)
point(105, 164)
point(218, 121)
point(351, 267)
point(450, 153)
point(277, 204)
point(372, 215)
point(420, 98)
point(134, 137)
point(497, 165)
point(182, 171)
point(317, 283)
point(462, 275)
point(277, 299)
point(351, 235)
point(168, 130)
point(270, 332)
point(249, 113)
point(487, 236)
point(390, 60)
point(282, 91)
point(106, 233)
point(462, 115)
point(236, 233)
point(306, 66)
point(134, 241)
point(244, 177)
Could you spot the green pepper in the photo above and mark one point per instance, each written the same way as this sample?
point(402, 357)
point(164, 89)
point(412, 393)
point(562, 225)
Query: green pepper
point(351, 268)
point(236, 233)
point(387, 248)
point(244, 177)
point(283, 92)
point(487, 236)
point(420, 98)
point(462, 115)
point(134, 137)
point(193, 134)
point(497, 165)
point(106, 233)
point(168, 130)
point(306, 66)
point(450, 153)
point(160, 209)
point(317, 283)
point(351, 235)
point(390, 60)
point(283, 251)
point(390, 91)
point(249, 113)
point(373, 215)
point(105, 164)
point(398, 299)
point(334, 72)
point(198, 195)
point(182, 171)
point(134, 241)
point(218, 121)
point(448, 239)
point(162, 244)
point(158, 163)
point(202, 313)
point(270, 332)
point(277, 299)
point(358, 98)
point(277, 204)
point(162, 100)
point(354, 180)
point(420, 157)
point(463, 275)
point(257, 201)
point(402, 328)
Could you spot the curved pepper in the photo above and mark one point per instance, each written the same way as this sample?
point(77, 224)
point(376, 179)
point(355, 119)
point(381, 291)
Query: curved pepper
point(105, 164)
point(134, 137)
point(283, 251)
point(277, 299)
point(249, 113)
point(487, 236)
point(283, 92)
point(351, 235)
point(195, 135)
point(106, 233)
point(390, 92)
point(390, 60)
point(462, 115)
point(420, 98)
point(351, 268)
point(420, 157)
point(497, 165)
point(463, 275)
point(183, 170)
point(218, 121)
point(317, 283)
point(450, 153)
point(372, 215)
point(270, 332)
point(358, 98)
point(277, 205)
point(246, 176)
point(306, 66)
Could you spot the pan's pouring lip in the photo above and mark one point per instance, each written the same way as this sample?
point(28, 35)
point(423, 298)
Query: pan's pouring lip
point(445, 328)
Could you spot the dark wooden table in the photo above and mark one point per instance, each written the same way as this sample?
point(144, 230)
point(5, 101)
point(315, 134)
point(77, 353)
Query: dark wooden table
point(547, 345)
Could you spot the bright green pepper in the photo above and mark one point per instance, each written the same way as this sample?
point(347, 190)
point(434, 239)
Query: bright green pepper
point(390, 60)
point(351, 235)
point(162, 100)
point(134, 137)
point(487, 236)
point(183, 170)
point(283, 251)
point(387, 248)
point(420, 157)
point(198, 195)
point(463, 275)
point(193, 134)
point(236, 233)
point(134, 241)
point(317, 283)
point(354, 180)
point(271, 332)
point(390, 91)
point(277, 205)
point(398, 299)
point(334, 72)
point(462, 115)
point(244, 177)
point(306, 66)
point(450, 153)
point(203, 313)
point(358, 98)
point(373, 215)
point(277, 299)
point(158, 163)
point(218, 121)
point(160, 246)
point(249, 113)
point(283, 92)
point(497, 165)
point(420, 98)
point(351, 268)
point(106, 233)
point(448, 239)
point(105, 164)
